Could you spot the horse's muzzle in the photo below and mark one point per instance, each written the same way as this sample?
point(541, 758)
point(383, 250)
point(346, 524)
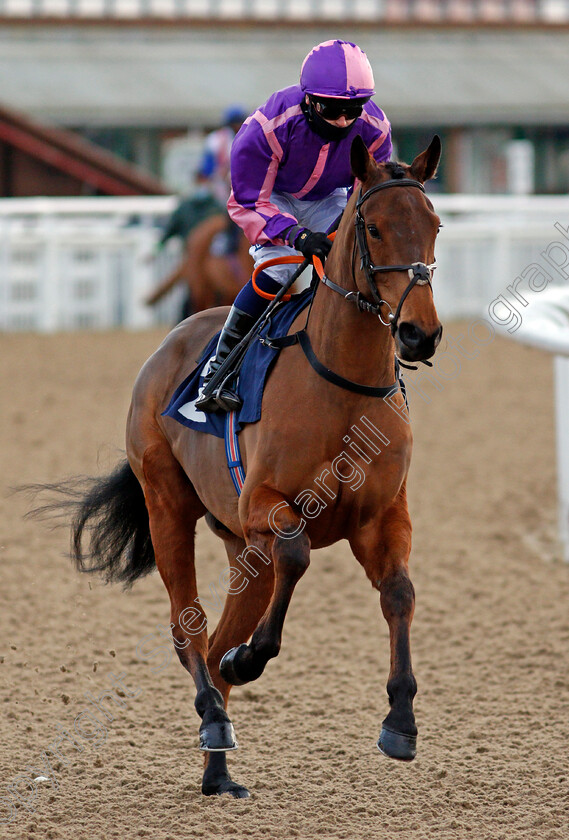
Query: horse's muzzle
point(413, 344)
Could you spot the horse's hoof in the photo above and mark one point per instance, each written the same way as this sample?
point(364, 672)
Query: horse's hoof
point(397, 744)
point(217, 736)
point(227, 666)
point(226, 786)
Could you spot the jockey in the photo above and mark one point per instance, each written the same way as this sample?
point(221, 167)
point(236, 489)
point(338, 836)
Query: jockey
point(215, 168)
point(215, 160)
point(290, 175)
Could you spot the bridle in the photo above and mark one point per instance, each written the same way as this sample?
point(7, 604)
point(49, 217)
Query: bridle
point(419, 273)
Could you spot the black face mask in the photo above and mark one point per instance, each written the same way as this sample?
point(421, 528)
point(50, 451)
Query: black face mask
point(321, 127)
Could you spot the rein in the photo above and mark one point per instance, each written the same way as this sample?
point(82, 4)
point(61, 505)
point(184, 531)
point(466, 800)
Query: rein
point(301, 338)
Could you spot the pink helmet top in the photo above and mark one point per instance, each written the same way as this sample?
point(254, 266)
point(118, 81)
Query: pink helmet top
point(337, 69)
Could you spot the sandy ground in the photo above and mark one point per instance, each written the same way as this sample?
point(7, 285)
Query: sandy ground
point(490, 636)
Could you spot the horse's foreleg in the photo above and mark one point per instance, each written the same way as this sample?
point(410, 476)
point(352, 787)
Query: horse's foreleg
point(173, 509)
point(275, 530)
point(384, 553)
point(240, 616)
point(243, 609)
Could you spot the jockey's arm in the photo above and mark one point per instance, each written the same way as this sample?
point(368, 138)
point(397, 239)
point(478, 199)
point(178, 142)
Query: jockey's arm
point(254, 167)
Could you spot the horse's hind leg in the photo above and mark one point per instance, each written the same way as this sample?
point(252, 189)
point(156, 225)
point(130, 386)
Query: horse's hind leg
point(383, 550)
point(273, 529)
point(243, 609)
point(173, 509)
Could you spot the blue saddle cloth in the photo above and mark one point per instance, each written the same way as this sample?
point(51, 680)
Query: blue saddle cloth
point(255, 370)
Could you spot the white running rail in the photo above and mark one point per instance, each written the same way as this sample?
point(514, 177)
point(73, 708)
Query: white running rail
point(68, 264)
point(546, 325)
point(72, 263)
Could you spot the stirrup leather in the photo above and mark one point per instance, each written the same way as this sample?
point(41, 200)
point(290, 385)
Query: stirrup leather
point(224, 397)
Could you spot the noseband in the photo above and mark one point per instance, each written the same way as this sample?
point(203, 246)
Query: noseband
point(419, 273)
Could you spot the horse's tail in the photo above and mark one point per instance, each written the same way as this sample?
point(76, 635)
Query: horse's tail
point(110, 514)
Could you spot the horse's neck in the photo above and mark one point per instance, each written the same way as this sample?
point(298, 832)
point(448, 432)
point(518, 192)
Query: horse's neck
point(352, 343)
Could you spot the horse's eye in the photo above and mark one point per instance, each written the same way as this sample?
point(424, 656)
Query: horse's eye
point(439, 228)
point(373, 231)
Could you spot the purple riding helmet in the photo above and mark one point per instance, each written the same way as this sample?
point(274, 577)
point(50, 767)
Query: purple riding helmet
point(337, 69)
point(338, 79)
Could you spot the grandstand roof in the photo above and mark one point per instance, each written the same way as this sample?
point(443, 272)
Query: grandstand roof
point(151, 75)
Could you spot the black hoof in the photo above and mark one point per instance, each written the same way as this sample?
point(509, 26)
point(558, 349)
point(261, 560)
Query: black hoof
point(217, 736)
point(227, 666)
point(225, 786)
point(397, 745)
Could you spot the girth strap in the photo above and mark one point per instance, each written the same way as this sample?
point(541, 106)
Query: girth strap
point(302, 338)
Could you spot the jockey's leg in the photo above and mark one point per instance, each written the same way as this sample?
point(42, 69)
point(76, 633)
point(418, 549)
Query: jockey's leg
point(247, 309)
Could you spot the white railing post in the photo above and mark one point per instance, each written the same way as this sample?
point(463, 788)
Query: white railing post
point(49, 301)
point(142, 279)
point(561, 365)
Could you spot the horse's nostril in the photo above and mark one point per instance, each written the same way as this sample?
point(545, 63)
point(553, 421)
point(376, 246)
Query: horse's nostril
point(410, 335)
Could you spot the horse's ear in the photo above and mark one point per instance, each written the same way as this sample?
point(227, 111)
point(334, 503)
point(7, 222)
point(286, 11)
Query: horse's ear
point(360, 159)
point(425, 165)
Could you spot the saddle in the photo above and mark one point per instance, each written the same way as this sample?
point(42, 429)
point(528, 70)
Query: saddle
point(253, 373)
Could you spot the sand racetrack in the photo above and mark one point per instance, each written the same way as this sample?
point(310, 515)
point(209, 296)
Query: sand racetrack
point(490, 635)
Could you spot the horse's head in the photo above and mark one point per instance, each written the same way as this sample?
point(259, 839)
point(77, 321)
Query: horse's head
point(395, 231)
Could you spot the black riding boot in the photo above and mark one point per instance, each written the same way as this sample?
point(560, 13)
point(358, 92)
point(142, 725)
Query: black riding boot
point(235, 328)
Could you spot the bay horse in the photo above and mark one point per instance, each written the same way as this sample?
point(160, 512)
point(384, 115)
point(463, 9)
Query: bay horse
point(375, 301)
point(211, 280)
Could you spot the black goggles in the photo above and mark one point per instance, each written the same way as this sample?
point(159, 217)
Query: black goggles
point(333, 109)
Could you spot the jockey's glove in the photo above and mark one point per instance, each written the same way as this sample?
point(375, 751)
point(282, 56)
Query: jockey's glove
point(313, 244)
